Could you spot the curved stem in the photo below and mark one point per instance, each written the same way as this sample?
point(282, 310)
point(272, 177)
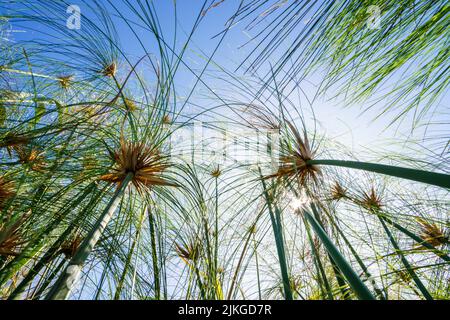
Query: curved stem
point(433, 178)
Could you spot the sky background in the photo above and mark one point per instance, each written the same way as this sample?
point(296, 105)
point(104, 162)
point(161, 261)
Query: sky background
point(345, 123)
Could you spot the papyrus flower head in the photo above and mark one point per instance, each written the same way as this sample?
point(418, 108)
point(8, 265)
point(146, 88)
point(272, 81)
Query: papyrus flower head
point(145, 163)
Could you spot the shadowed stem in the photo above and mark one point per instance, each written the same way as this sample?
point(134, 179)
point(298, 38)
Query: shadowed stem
point(156, 275)
point(354, 281)
point(64, 285)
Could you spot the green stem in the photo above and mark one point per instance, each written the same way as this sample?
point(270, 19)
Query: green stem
point(354, 281)
point(275, 218)
point(241, 258)
point(64, 285)
point(255, 249)
point(418, 239)
point(352, 250)
point(49, 279)
point(156, 276)
point(35, 246)
point(405, 262)
point(433, 178)
point(128, 260)
point(216, 234)
point(50, 254)
point(360, 262)
point(321, 275)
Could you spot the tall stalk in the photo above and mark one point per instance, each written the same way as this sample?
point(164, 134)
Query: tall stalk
point(275, 218)
point(156, 274)
point(216, 238)
point(354, 281)
point(128, 259)
point(34, 247)
point(63, 286)
point(360, 263)
point(238, 267)
point(50, 254)
point(322, 279)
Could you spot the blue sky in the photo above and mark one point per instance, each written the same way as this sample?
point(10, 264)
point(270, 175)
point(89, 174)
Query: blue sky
point(337, 119)
point(343, 122)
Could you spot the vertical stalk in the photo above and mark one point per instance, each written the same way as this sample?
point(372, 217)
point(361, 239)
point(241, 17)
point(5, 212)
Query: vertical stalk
point(156, 276)
point(360, 262)
point(278, 232)
point(35, 246)
point(63, 286)
point(321, 276)
point(241, 258)
point(38, 291)
point(128, 260)
point(255, 248)
point(210, 282)
point(216, 236)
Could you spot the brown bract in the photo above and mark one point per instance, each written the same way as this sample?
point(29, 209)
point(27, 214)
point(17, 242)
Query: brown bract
point(371, 200)
point(69, 248)
point(65, 81)
point(6, 191)
point(11, 237)
point(145, 163)
point(166, 119)
point(431, 233)
point(187, 253)
point(294, 164)
point(216, 172)
point(25, 154)
point(12, 140)
point(338, 192)
point(31, 157)
point(110, 70)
